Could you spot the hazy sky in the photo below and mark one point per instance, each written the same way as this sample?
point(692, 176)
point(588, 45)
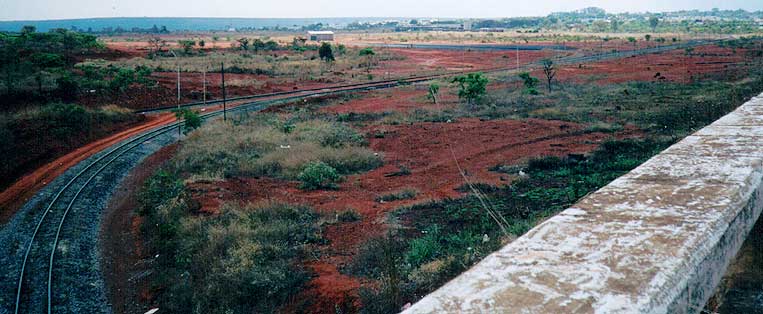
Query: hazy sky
point(64, 9)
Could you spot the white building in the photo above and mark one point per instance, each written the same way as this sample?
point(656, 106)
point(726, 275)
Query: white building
point(320, 35)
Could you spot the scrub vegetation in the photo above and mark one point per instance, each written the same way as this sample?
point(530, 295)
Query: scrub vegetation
point(435, 241)
point(295, 147)
point(46, 132)
point(245, 259)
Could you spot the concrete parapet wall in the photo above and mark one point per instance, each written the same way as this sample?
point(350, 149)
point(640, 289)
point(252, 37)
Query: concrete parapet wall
point(656, 240)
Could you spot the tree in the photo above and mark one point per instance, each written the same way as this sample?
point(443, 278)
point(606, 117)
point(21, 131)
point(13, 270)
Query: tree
point(243, 43)
point(191, 118)
point(615, 24)
point(632, 40)
point(28, 29)
point(530, 82)
point(155, 45)
point(187, 45)
point(326, 53)
point(202, 43)
point(67, 87)
point(471, 87)
point(434, 89)
point(549, 70)
point(648, 37)
point(271, 45)
point(341, 49)
point(258, 45)
point(122, 80)
point(368, 54)
point(653, 22)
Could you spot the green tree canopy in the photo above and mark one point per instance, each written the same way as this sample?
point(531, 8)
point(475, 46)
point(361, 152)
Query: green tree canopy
point(471, 87)
point(326, 53)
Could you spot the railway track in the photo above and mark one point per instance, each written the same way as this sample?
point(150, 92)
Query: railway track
point(37, 287)
point(50, 247)
point(414, 79)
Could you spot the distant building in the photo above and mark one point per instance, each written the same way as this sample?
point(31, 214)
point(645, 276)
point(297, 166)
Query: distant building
point(320, 35)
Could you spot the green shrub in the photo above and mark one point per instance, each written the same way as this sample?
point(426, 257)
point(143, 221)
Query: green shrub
point(318, 175)
point(405, 194)
point(243, 260)
point(348, 216)
point(191, 119)
point(443, 238)
point(472, 87)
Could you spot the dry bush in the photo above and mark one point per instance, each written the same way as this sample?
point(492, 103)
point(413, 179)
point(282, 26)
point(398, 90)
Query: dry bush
point(294, 64)
point(247, 259)
point(268, 146)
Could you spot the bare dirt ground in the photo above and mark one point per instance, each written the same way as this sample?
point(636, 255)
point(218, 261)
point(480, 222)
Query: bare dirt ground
point(413, 62)
point(672, 66)
point(430, 151)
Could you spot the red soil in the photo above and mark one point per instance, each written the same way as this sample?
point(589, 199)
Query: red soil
point(417, 60)
point(674, 66)
point(12, 198)
point(400, 99)
point(430, 151)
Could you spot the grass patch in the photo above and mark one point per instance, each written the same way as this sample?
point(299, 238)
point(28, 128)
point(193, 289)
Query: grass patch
point(660, 108)
point(244, 259)
point(348, 215)
point(438, 240)
point(269, 145)
point(405, 194)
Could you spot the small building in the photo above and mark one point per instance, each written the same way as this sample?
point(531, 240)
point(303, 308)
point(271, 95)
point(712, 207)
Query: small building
point(320, 35)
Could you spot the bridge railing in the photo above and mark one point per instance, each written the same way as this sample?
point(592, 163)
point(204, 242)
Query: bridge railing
point(656, 240)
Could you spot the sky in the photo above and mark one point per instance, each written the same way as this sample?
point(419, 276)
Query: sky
point(68, 9)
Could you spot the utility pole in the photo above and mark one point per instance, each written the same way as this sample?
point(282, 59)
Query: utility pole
point(204, 78)
point(517, 46)
point(222, 71)
point(178, 79)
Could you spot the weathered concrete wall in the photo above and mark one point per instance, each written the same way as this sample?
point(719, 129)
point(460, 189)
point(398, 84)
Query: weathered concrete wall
point(656, 240)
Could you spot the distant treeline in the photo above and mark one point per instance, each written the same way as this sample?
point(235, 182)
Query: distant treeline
point(119, 30)
point(186, 24)
point(584, 20)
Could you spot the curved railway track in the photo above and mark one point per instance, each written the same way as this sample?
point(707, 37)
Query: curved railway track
point(72, 202)
point(35, 284)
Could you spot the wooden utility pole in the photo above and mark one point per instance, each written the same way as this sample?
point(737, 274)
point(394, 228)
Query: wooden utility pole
point(178, 100)
point(517, 46)
point(222, 71)
point(204, 78)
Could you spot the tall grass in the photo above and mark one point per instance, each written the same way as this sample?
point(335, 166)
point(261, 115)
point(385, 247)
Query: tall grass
point(246, 259)
point(276, 147)
point(291, 64)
